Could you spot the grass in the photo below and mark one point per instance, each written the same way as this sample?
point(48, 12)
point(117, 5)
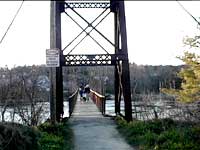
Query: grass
point(56, 137)
point(164, 134)
point(44, 137)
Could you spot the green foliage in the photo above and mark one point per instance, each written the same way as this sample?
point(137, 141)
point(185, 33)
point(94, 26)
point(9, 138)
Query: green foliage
point(190, 89)
point(45, 137)
point(18, 137)
point(160, 134)
point(51, 142)
point(53, 129)
point(56, 137)
point(191, 77)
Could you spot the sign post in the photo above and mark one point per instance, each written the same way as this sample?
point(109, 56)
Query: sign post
point(52, 58)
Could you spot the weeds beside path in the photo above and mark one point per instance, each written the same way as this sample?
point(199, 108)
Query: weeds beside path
point(56, 137)
point(161, 134)
point(68, 138)
point(44, 137)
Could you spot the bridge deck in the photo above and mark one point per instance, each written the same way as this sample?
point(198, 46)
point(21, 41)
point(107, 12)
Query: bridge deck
point(92, 131)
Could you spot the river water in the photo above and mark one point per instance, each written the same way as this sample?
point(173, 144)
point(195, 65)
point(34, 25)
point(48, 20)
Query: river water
point(44, 114)
point(139, 112)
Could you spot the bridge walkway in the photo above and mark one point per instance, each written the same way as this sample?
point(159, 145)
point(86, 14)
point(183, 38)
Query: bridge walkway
point(92, 131)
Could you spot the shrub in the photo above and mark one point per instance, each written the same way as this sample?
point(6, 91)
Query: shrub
point(18, 137)
point(56, 129)
point(45, 137)
point(161, 134)
point(56, 137)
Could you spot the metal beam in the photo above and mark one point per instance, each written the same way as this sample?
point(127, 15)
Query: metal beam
point(83, 30)
point(119, 59)
point(125, 63)
point(92, 60)
point(87, 33)
point(117, 90)
point(87, 5)
point(92, 27)
point(55, 42)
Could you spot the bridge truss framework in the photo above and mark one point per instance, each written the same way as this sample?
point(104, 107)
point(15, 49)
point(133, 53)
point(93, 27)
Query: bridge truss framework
point(119, 59)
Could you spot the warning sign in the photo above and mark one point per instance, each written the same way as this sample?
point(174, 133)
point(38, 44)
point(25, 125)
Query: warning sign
point(52, 58)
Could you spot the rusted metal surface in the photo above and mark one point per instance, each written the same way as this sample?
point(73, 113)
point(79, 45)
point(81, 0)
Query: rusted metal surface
point(99, 100)
point(126, 89)
point(87, 5)
point(119, 59)
point(92, 60)
point(122, 75)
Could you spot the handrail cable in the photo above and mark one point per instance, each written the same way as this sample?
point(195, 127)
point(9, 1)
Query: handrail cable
point(11, 22)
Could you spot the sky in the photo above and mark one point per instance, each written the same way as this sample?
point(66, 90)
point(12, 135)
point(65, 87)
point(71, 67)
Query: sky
point(155, 31)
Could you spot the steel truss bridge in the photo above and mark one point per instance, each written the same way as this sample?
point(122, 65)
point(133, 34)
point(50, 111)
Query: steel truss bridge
point(118, 59)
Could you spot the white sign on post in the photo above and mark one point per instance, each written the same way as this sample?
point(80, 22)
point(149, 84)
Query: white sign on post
point(52, 58)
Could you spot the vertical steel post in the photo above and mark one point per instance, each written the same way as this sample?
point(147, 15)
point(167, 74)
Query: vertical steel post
point(116, 36)
point(125, 63)
point(121, 48)
point(51, 95)
point(55, 42)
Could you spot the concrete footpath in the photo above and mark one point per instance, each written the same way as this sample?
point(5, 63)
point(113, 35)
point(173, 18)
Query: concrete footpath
point(92, 131)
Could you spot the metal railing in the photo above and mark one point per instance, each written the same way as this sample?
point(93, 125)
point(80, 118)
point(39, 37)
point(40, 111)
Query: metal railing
point(99, 100)
point(72, 101)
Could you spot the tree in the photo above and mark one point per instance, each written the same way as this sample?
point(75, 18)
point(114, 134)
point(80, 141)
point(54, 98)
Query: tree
point(190, 86)
point(22, 92)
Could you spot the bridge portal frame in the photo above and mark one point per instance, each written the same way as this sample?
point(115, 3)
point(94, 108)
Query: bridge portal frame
point(119, 59)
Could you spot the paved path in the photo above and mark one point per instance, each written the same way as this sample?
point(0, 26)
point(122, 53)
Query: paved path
point(92, 131)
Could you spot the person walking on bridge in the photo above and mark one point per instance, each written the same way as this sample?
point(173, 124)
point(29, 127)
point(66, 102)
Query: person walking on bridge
point(87, 92)
point(81, 91)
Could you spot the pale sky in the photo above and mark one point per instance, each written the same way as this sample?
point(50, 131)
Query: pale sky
point(155, 31)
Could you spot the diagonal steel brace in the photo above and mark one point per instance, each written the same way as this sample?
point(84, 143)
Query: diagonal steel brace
point(88, 33)
point(83, 30)
point(92, 26)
